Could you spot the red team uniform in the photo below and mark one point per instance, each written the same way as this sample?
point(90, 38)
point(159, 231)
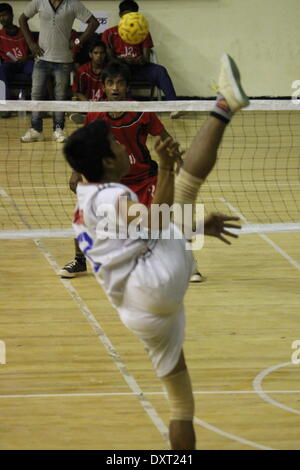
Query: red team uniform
point(16, 45)
point(153, 73)
point(132, 130)
point(111, 39)
point(88, 83)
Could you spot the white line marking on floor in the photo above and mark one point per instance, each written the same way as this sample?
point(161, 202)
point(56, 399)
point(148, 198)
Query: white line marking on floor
point(3, 193)
point(274, 245)
point(108, 394)
point(112, 352)
point(257, 385)
point(212, 428)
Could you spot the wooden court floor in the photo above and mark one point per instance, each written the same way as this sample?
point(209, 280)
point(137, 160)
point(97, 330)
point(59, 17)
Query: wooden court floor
point(74, 375)
point(75, 378)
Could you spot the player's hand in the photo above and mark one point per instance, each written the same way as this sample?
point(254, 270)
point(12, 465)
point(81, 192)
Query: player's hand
point(75, 178)
point(168, 152)
point(215, 225)
point(36, 50)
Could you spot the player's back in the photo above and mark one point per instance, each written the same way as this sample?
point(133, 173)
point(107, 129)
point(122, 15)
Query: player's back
point(97, 226)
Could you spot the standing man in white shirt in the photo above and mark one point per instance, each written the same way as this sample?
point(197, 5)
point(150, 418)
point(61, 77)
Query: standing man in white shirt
point(53, 55)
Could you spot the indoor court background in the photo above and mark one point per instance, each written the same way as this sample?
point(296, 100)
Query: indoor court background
point(75, 378)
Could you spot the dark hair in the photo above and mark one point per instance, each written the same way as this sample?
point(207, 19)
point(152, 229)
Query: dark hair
point(96, 42)
point(114, 69)
point(85, 149)
point(6, 7)
point(128, 5)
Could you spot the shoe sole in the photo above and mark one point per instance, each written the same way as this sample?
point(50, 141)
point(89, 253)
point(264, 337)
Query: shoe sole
point(196, 280)
point(65, 275)
point(196, 277)
point(77, 120)
point(234, 79)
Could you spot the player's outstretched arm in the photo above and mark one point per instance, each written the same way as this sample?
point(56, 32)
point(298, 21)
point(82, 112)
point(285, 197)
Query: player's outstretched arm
point(216, 225)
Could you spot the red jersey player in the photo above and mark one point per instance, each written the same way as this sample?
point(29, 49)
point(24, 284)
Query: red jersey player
point(131, 129)
point(87, 85)
point(14, 52)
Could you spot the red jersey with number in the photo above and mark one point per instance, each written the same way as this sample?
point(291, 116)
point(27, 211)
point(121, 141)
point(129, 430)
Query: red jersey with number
point(122, 49)
point(88, 83)
point(132, 130)
point(16, 45)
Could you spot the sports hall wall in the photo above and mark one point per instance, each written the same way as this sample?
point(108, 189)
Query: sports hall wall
point(190, 35)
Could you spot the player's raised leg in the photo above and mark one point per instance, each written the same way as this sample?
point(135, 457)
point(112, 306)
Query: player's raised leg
point(202, 155)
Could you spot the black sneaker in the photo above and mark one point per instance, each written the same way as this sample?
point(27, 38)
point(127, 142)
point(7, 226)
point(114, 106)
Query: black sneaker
point(74, 268)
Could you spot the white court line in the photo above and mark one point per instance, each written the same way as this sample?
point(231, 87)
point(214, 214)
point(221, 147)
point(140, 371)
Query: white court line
point(274, 245)
point(3, 193)
point(112, 352)
point(108, 394)
point(212, 428)
point(257, 385)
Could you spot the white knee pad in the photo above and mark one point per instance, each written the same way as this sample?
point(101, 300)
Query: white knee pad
point(180, 395)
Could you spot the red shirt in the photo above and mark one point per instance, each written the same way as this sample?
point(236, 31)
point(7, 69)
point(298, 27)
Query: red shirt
point(122, 49)
point(132, 130)
point(16, 45)
point(88, 83)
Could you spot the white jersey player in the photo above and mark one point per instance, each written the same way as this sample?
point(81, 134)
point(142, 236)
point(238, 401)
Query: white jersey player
point(146, 278)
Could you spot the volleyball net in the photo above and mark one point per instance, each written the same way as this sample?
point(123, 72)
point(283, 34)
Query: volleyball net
point(257, 175)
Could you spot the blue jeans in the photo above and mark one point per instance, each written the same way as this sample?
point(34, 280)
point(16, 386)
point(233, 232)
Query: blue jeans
point(41, 72)
point(157, 75)
point(8, 70)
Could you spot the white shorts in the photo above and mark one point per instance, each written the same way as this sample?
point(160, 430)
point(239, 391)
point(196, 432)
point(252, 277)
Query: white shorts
point(152, 306)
